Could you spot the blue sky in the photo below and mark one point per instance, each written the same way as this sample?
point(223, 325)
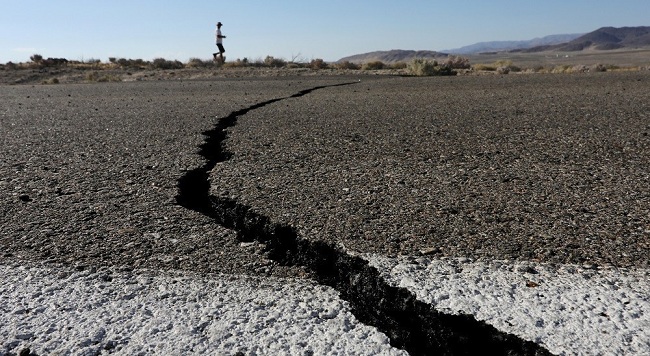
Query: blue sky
point(300, 29)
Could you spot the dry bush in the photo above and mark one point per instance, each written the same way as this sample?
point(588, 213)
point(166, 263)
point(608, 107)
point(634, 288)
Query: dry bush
point(199, 63)
point(239, 63)
point(133, 63)
point(374, 65)
point(559, 69)
point(398, 65)
point(96, 77)
point(458, 62)
point(484, 67)
point(273, 62)
point(161, 63)
point(317, 64)
point(501, 66)
point(422, 67)
point(36, 58)
point(346, 65)
point(503, 70)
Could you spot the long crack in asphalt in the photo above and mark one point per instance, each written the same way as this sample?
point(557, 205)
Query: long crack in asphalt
point(410, 324)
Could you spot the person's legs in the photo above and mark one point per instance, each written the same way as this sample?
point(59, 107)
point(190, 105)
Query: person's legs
point(221, 50)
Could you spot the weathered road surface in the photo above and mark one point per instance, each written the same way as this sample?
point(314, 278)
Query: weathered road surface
point(306, 174)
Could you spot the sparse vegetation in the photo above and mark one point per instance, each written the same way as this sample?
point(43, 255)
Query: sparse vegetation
point(273, 62)
point(36, 58)
point(95, 76)
point(346, 65)
point(199, 63)
point(374, 65)
point(500, 66)
point(44, 70)
point(423, 67)
point(162, 63)
point(317, 64)
point(458, 62)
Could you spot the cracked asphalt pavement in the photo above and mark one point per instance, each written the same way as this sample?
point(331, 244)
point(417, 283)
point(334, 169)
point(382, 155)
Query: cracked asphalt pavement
point(535, 167)
point(540, 168)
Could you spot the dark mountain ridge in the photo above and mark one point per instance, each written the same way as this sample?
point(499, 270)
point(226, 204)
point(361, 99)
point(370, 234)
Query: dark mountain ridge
point(603, 39)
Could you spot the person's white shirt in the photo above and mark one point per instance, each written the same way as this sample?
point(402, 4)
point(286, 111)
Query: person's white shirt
point(218, 35)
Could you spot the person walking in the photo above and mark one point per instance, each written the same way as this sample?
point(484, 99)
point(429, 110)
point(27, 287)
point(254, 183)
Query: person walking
point(220, 38)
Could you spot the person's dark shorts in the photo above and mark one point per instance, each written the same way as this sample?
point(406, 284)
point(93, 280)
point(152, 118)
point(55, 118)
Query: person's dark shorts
point(221, 49)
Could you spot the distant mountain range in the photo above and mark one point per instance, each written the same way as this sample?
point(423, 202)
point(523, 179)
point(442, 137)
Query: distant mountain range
point(502, 46)
point(603, 39)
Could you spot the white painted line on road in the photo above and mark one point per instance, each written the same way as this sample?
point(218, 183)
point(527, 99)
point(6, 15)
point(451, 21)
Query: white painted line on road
point(567, 309)
point(54, 310)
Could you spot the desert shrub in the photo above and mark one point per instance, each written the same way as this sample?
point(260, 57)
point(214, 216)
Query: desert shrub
point(317, 64)
point(423, 67)
point(580, 68)
point(398, 65)
point(199, 63)
point(458, 62)
point(132, 63)
point(55, 62)
point(484, 67)
point(501, 66)
point(239, 63)
point(346, 65)
point(271, 61)
point(538, 68)
point(11, 65)
point(51, 81)
point(374, 65)
point(36, 58)
point(161, 63)
point(503, 70)
point(562, 69)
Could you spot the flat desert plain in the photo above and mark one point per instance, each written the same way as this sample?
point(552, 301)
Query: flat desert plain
point(143, 200)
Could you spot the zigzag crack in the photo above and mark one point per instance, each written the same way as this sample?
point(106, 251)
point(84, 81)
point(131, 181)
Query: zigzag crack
point(410, 324)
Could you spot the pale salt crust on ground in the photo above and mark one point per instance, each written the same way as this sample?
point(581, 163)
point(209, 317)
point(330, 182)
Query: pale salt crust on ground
point(570, 310)
point(60, 310)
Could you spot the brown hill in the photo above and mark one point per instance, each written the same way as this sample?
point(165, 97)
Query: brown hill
point(393, 56)
point(603, 39)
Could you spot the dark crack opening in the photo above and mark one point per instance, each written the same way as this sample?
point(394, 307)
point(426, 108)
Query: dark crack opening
point(410, 324)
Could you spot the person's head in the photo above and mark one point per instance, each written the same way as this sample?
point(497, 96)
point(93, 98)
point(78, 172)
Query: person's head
point(219, 24)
